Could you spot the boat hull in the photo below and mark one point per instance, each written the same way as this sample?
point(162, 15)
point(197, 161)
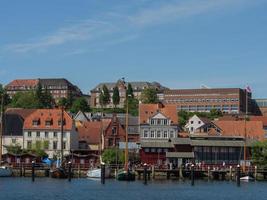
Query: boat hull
point(96, 173)
point(126, 176)
point(5, 172)
point(58, 173)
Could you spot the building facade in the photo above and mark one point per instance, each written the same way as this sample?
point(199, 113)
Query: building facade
point(58, 87)
point(42, 129)
point(138, 87)
point(227, 100)
point(260, 107)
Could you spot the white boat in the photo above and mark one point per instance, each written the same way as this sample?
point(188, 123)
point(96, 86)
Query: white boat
point(96, 173)
point(247, 178)
point(5, 171)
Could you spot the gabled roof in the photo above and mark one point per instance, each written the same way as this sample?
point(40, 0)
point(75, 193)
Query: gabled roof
point(43, 114)
point(23, 82)
point(90, 131)
point(146, 111)
point(251, 129)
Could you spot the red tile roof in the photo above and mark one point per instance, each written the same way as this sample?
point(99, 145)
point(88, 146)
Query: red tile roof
point(43, 115)
point(148, 110)
point(23, 82)
point(20, 111)
point(89, 131)
point(263, 119)
point(253, 130)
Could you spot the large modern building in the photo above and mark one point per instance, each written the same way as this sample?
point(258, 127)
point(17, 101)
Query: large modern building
point(138, 87)
point(227, 100)
point(58, 87)
point(260, 106)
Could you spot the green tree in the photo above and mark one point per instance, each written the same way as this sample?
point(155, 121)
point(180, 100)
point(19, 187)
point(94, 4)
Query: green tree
point(104, 96)
point(116, 96)
point(6, 97)
point(149, 95)
point(259, 153)
point(111, 156)
point(47, 99)
point(129, 91)
point(25, 100)
point(80, 104)
point(63, 102)
point(39, 94)
point(133, 106)
point(14, 149)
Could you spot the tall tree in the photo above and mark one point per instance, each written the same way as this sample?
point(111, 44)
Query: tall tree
point(129, 91)
point(25, 100)
point(80, 104)
point(62, 102)
point(149, 95)
point(116, 96)
point(47, 99)
point(104, 96)
point(6, 98)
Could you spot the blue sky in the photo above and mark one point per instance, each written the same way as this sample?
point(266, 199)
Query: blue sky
point(179, 43)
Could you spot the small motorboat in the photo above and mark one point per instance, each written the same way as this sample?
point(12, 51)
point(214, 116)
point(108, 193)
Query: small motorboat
point(96, 173)
point(247, 178)
point(58, 173)
point(126, 175)
point(5, 171)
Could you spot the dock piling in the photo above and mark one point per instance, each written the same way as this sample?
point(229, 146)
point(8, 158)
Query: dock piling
point(145, 174)
point(103, 174)
point(238, 176)
point(69, 171)
point(33, 173)
point(256, 172)
point(192, 175)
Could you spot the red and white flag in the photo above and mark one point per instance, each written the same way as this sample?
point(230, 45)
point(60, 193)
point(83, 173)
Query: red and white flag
point(248, 89)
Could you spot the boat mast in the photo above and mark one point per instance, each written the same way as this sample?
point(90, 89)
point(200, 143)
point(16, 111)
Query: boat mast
point(245, 145)
point(2, 125)
point(62, 132)
point(126, 134)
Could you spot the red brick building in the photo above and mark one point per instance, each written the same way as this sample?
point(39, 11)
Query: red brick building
point(227, 100)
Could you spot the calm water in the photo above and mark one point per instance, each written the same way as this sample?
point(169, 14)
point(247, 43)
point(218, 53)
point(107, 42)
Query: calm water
point(49, 189)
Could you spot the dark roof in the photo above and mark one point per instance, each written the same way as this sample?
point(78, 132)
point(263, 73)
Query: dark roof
point(55, 81)
point(13, 125)
point(204, 91)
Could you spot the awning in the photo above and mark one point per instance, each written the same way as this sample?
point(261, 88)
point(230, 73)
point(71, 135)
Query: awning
point(180, 154)
point(156, 144)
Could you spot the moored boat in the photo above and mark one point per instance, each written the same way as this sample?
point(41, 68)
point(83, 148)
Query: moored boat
point(247, 178)
point(5, 171)
point(96, 173)
point(125, 176)
point(58, 173)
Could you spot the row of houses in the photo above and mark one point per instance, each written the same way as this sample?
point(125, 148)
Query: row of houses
point(156, 134)
point(227, 100)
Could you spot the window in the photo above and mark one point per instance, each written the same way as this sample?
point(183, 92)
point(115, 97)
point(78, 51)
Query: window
point(192, 129)
point(29, 144)
point(110, 142)
point(158, 134)
point(55, 145)
point(146, 150)
point(38, 144)
point(64, 134)
point(171, 134)
point(153, 150)
point(37, 134)
point(48, 122)
point(114, 130)
point(55, 134)
point(165, 134)
point(145, 134)
point(64, 145)
point(199, 122)
point(35, 122)
point(192, 122)
point(29, 134)
point(152, 134)
point(46, 134)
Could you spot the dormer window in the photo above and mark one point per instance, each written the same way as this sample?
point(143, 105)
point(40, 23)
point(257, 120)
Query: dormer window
point(59, 122)
point(114, 130)
point(36, 122)
point(48, 122)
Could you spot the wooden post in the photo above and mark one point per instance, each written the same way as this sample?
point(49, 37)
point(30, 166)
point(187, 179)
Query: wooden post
point(79, 171)
point(33, 174)
point(181, 172)
point(21, 170)
point(208, 172)
point(153, 171)
point(231, 172)
point(145, 174)
point(192, 175)
point(238, 176)
point(69, 171)
point(256, 172)
point(103, 174)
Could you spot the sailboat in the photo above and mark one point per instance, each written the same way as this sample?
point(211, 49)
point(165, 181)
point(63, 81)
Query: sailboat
point(95, 173)
point(247, 176)
point(126, 174)
point(59, 171)
point(5, 171)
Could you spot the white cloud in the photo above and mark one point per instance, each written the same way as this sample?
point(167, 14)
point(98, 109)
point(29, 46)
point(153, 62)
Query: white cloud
point(126, 26)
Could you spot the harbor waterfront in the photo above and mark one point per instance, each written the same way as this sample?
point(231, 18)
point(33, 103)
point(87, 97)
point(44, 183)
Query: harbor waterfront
point(46, 188)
